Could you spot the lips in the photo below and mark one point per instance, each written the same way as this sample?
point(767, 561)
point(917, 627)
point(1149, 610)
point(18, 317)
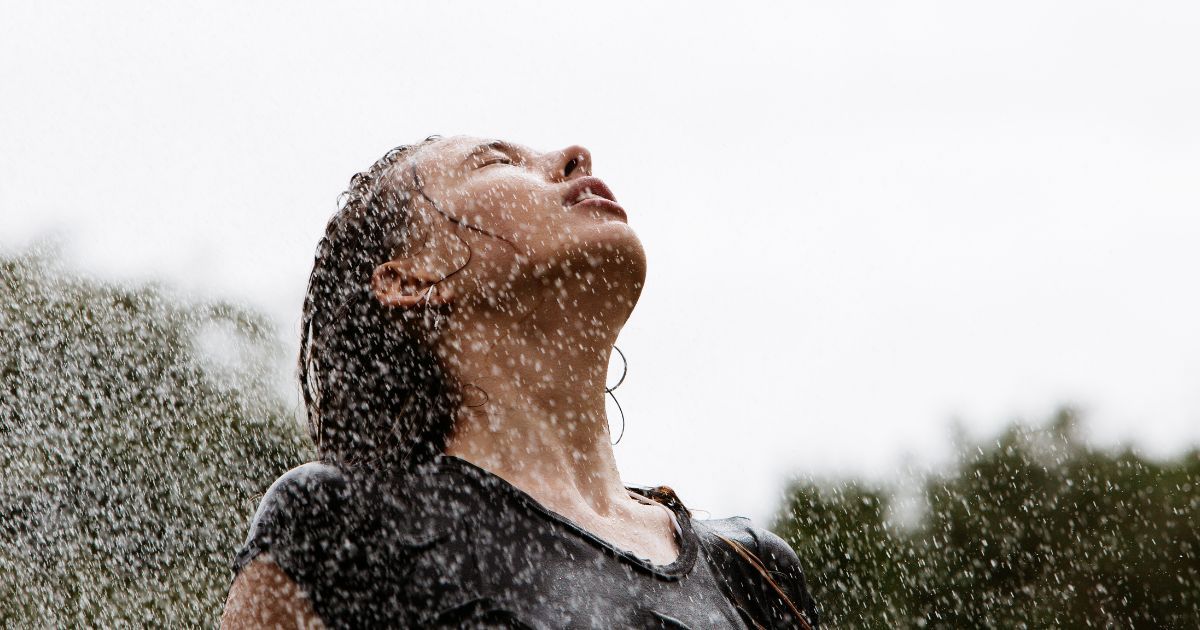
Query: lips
point(591, 192)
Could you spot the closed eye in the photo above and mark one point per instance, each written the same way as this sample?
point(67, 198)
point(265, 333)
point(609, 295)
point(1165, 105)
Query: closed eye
point(494, 152)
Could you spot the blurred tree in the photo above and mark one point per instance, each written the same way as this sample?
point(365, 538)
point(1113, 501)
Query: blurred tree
point(1033, 530)
point(136, 430)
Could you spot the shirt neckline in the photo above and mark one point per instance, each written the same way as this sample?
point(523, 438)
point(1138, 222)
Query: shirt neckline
point(685, 535)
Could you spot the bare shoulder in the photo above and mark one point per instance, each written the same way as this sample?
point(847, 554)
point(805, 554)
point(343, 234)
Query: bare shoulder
point(263, 596)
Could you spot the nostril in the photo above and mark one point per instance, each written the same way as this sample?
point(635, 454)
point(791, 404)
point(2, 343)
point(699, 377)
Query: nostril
point(570, 167)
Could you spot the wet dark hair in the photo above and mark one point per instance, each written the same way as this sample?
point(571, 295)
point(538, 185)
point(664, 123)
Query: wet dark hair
point(374, 390)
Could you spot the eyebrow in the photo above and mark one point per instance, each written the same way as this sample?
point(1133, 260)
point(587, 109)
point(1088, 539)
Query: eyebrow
point(494, 145)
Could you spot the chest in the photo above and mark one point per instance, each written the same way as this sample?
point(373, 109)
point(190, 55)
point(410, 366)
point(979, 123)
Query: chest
point(514, 571)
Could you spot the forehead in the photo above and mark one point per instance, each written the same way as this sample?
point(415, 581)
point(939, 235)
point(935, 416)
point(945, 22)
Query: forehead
point(452, 150)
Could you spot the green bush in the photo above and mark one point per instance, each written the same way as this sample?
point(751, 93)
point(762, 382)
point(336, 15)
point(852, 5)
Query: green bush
point(1033, 530)
point(136, 429)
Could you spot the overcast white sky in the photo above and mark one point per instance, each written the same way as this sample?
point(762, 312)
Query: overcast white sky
point(863, 219)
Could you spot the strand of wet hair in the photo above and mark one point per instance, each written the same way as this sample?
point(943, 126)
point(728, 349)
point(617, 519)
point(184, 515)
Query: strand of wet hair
point(758, 565)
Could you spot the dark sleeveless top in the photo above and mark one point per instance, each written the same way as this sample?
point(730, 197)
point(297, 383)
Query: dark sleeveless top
point(456, 546)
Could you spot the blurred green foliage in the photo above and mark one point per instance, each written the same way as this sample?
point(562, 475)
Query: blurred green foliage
point(136, 431)
point(1033, 530)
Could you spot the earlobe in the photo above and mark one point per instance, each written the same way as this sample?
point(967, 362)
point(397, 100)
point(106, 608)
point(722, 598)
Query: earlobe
point(396, 285)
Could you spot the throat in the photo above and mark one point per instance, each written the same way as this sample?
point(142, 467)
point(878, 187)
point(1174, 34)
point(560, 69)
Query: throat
point(533, 380)
point(560, 459)
point(534, 413)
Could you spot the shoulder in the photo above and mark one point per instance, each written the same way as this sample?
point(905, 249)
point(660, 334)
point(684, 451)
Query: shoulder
point(305, 482)
point(767, 547)
point(776, 554)
point(762, 566)
point(301, 507)
point(304, 491)
point(348, 538)
point(742, 530)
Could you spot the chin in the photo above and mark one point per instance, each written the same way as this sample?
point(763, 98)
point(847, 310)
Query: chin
point(616, 253)
point(632, 252)
point(611, 250)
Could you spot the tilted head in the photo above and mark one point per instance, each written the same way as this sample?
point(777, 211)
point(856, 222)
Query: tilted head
point(444, 243)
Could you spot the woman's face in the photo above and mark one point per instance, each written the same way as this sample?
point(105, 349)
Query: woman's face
point(525, 213)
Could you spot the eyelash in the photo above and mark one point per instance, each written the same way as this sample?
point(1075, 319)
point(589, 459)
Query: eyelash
point(502, 160)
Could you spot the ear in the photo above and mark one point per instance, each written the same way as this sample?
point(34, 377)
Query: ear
point(402, 284)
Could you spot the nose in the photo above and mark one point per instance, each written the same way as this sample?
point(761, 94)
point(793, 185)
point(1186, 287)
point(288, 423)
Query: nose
point(573, 161)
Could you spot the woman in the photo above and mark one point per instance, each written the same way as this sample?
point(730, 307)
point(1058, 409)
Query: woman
point(456, 335)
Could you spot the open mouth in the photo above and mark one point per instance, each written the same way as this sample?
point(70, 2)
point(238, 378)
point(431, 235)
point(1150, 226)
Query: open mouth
point(592, 193)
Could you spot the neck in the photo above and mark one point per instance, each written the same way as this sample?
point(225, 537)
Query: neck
point(534, 386)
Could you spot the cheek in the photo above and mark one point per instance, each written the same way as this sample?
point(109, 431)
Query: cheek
point(513, 210)
point(529, 214)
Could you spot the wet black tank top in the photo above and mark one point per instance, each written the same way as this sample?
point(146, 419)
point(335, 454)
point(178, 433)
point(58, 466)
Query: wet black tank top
point(455, 546)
